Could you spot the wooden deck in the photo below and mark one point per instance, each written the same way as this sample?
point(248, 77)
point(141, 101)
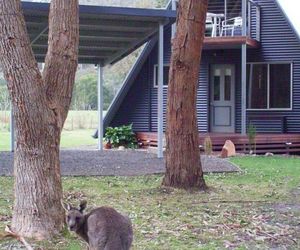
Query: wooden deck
point(274, 143)
point(229, 42)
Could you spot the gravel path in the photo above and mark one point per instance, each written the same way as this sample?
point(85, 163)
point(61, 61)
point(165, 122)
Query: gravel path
point(114, 162)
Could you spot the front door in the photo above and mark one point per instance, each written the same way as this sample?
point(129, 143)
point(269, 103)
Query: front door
point(222, 108)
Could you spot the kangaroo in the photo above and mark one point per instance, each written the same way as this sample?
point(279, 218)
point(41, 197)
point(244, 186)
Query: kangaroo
point(103, 228)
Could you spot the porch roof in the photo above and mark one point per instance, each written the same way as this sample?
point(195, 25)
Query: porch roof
point(107, 34)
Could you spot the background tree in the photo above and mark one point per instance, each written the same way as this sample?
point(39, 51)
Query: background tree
point(85, 93)
point(183, 165)
point(40, 104)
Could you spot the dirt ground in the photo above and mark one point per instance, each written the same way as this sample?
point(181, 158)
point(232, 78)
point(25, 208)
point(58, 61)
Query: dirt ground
point(115, 163)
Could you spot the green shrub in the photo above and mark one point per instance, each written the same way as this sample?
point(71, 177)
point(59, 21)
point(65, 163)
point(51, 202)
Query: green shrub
point(121, 136)
point(251, 138)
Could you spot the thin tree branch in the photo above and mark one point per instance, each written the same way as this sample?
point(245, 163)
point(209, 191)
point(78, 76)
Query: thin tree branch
point(12, 234)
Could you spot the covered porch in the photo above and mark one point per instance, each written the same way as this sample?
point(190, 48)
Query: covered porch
point(107, 35)
point(264, 142)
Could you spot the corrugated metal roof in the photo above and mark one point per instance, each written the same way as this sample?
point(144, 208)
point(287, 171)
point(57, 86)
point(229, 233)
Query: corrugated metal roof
point(107, 34)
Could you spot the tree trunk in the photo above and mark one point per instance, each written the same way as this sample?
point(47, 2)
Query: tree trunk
point(183, 165)
point(40, 107)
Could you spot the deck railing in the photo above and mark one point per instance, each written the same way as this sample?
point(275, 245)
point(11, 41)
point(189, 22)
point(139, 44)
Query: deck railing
point(253, 20)
point(229, 18)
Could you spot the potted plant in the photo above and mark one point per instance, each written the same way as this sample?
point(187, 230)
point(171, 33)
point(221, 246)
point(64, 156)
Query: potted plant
point(121, 136)
point(107, 145)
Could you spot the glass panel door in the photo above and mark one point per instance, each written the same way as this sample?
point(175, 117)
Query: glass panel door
point(227, 85)
point(222, 106)
point(217, 85)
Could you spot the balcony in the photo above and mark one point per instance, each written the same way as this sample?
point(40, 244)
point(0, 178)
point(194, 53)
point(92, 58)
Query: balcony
point(231, 23)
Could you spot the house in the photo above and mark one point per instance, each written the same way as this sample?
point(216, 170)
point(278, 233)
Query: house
point(249, 74)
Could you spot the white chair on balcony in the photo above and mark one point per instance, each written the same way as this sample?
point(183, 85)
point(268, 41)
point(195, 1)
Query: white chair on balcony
point(213, 23)
point(231, 25)
point(209, 25)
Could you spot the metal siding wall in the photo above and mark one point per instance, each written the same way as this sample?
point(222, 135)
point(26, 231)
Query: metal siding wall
point(279, 43)
point(135, 107)
point(208, 57)
point(202, 94)
point(140, 105)
point(203, 97)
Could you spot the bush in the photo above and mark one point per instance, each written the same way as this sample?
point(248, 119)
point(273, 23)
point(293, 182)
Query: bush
point(121, 136)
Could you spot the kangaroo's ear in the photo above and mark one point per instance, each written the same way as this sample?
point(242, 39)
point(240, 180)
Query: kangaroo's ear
point(82, 205)
point(65, 206)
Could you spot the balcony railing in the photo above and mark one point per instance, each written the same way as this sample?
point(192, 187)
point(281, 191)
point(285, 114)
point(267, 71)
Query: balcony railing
point(233, 18)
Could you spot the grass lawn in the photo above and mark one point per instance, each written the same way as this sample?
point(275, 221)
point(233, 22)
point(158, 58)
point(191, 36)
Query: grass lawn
point(256, 209)
point(72, 138)
point(77, 119)
point(4, 141)
point(78, 128)
point(81, 119)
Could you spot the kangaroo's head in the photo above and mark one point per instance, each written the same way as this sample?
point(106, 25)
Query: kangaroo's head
point(74, 216)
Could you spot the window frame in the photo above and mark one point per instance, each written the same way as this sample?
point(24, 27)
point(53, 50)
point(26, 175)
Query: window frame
point(155, 68)
point(268, 87)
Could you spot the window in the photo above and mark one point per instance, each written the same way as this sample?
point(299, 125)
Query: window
point(257, 86)
point(280, 86)
point(166, 75)
point(269, 86)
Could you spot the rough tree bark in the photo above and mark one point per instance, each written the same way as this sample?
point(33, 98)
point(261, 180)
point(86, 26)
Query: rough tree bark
point(40, 104)
point(183, 165)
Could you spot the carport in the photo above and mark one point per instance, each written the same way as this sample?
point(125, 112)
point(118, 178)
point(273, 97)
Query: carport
point(107, 34)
